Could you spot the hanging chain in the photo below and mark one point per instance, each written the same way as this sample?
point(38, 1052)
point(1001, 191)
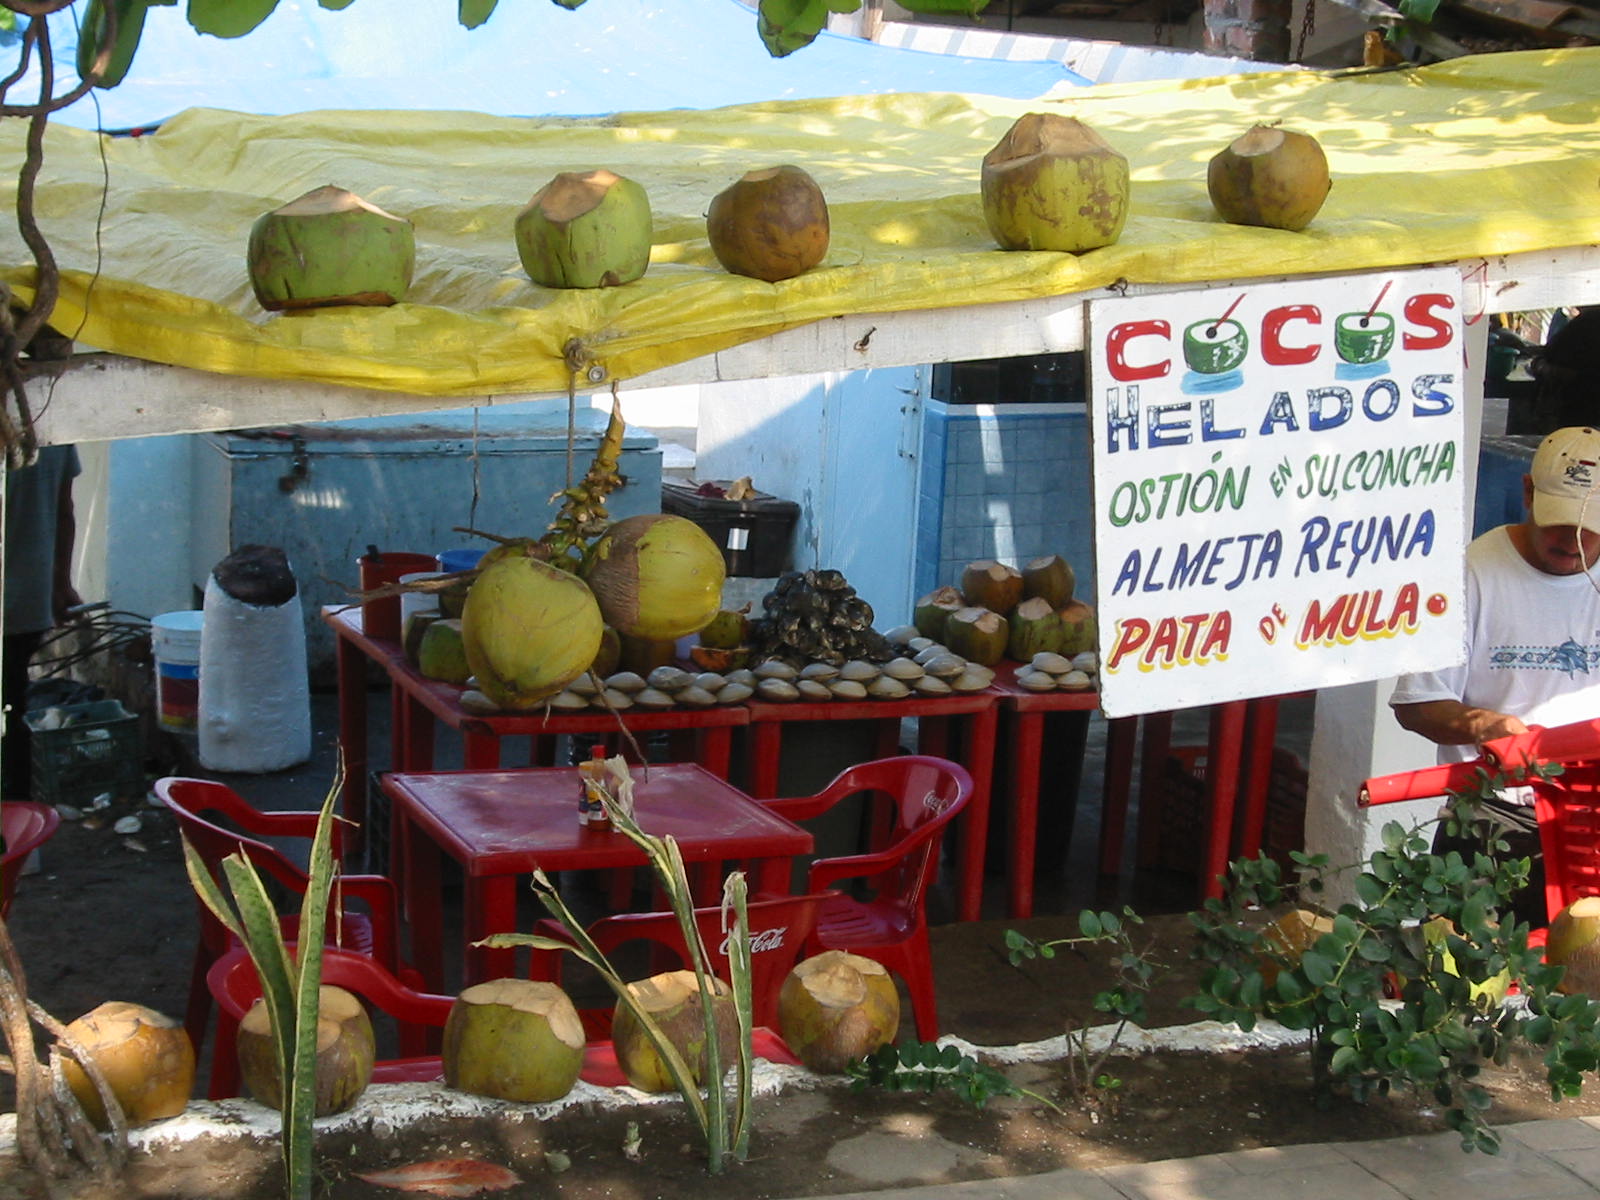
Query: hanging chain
point(1308, 26)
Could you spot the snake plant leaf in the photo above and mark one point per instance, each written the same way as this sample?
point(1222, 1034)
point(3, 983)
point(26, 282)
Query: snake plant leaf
point(472, 13)
point(229, 18)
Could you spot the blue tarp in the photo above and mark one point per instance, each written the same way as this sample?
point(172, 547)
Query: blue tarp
point(531, 58)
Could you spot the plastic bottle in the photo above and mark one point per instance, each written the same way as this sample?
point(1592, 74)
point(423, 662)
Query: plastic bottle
point(591, 808)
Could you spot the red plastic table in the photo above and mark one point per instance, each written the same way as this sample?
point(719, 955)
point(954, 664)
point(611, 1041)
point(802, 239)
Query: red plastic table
point(418, 703)
point(1024, 742)
point(933, 715)
point(501, 824)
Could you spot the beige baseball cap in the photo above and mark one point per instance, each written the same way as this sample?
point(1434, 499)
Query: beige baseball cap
point(1566, 479)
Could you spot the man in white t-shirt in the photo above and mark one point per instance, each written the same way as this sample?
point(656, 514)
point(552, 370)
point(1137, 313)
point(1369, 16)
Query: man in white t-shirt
point(1532, 635)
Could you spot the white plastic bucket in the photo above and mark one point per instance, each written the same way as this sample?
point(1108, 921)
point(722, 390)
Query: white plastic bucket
point(175, 643)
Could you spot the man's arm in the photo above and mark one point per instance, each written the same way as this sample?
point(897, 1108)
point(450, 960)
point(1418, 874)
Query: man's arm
point(1452, 723)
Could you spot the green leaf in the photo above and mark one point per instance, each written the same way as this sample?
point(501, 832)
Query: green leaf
point(1089, 923)
point(472, 13)
point(569, 5)
point(1318, 969)
point(229, 18)
point(970, 8)
point(1419, 10)
point(330, 5)
point(789, 25)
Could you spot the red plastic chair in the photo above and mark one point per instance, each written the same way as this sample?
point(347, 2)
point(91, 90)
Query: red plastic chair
point(27, 825)
point(372, 930)
point(780, 928)
point(232, 981)
point(924, 794)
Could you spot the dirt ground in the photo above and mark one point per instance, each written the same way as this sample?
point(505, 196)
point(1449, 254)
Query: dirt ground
point(111, 916)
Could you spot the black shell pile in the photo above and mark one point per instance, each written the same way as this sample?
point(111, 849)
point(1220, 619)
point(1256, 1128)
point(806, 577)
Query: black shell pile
point(816, 616)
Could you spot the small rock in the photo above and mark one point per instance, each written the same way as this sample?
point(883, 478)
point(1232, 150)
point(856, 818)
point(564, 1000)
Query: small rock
point(68, 813)
point(136, 844)
point(128, 825)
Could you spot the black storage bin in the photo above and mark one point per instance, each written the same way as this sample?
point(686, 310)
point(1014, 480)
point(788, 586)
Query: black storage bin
point(753, 534)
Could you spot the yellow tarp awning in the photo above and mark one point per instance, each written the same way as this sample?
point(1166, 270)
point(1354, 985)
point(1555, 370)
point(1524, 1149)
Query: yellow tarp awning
point(1478, 157)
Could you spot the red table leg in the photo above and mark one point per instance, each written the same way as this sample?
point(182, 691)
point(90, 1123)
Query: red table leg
point(489, 906)
point(413, 735)
point(1222, 785)
point(1121, 734)
point(351, 666)
point(766, 749)
point(479, 751)
point(1028, 741)
point(420, 884)
point(716, 750)
point(1261, 734)
point(980, 730)
point(1155, 746)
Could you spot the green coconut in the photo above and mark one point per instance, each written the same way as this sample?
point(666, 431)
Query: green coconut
point(585, 230)
point(1033, 628)
point(146, 1058)
point(672, 1000)
point(727, 631)
point(327, 248)
point(416, 628)
point(345, 1053)
point(1574, 943)
point(992, 585)
point(836, 1006)
point(656, 576)
point(931, 613)
point(529, 629)
point(513, 1039)
point(977, 635)
point(771, 224)
point(1270, 177)
point(1492, 990)
point(1077, 628)
point(442, 653)
point(1051, 578)
point(1052, 183)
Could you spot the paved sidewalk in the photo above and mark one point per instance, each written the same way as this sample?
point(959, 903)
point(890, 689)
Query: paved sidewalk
point(1538, 1160)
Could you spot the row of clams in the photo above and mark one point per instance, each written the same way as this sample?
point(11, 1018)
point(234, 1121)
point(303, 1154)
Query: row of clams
point(1045, 672)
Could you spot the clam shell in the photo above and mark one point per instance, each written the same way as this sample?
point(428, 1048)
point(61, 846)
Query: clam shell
point(584, 685)
point(669, 679)
point(859, 672)
point(625, 681)
point(1088, 660)
point(969, 681)
point(901, 635)
point(931, 685)
point(568, 702)
point(653, 699)
point(928, 653)
point(903, 669)
point(1075, 681)
point(734, 693)
point(695, 696)
point(812, 689)
point(945, 665)
point(621, 701)
point(887, 687)
point(1054, 664)
point(918, 644)
point(710, 681)
point(847, 689)
point(819, 671)
point(476, 702)
point(779, 690)
point(743, 675)
point(774, 669)
point(1036, 681)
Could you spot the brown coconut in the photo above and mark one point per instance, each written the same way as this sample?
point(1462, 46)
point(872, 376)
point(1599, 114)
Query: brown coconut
point(932, 611)
point(146, 1058)
point(1050, 577)
point(836, 1006)
point(1033, 628)
point(977, 635)
point(672, 1000)
point(1052, 183)
point(1272, 177)
point(772, 224)
point(1077, 628)
point(513, 1039)
point(1574, 943)
point(657, 577)
point(345, 1053)
point(992, 585)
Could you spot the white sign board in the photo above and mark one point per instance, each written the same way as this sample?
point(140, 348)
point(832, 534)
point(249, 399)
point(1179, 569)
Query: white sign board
point(1278, 476)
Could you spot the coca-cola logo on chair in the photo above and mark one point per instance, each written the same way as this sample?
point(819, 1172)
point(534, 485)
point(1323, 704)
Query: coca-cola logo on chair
point(764, 939)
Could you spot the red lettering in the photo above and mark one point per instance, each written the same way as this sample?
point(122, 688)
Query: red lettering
point(1117, 350)
point(1273, 351)
point(1166, 642)
point(1218, 635)
point(1420, 311)
point(1131, 635)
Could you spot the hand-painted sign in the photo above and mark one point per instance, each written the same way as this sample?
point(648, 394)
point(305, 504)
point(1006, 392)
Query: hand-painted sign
point(1278, 486)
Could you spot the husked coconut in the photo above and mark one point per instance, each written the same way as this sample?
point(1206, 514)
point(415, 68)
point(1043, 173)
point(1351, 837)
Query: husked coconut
point(772, 224)
point(585, 229)
point(836, 1006)
point(513, 1039)
point(345, 1053)
point(1052, 183)
point(673, 1001)
point(656, 576)
point(330, 247)
point(1269, 176)
point(1049, 577)
point(146, 1058)
point(996, 586)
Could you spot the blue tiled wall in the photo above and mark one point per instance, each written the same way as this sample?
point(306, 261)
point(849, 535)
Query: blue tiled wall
point(1006, 481)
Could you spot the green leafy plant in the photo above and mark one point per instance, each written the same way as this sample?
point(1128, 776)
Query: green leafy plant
point(1133, 970)
point(290, 984)
point(929, 1067)
point(724, 1124)
point(1445, 1022)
